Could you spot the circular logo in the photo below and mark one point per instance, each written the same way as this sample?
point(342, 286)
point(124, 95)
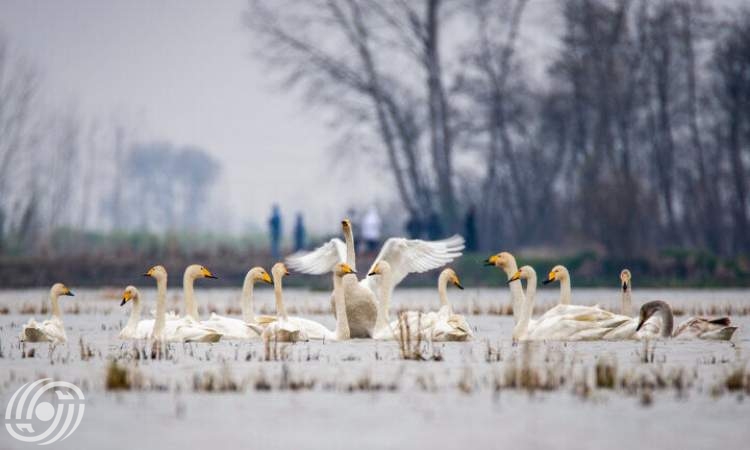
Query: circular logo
point(31, 418)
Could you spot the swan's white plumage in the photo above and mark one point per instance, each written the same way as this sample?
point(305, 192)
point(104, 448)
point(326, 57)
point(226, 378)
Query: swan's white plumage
point(53, 329)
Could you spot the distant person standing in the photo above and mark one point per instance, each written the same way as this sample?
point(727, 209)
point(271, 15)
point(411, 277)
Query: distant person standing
point(470, 229)
point(371, 224)
point(274, 226)
point(299, 233)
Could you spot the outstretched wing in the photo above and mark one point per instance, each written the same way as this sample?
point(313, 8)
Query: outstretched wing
point(321, 260)
point(407, 256)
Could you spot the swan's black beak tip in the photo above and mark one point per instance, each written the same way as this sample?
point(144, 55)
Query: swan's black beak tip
point(122, 303)
point(547, 281)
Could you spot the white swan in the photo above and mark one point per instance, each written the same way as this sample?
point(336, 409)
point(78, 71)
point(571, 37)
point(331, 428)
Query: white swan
point(442, 325)
point(247, 327)
point(507, 263)
point(135, 328)
point(53, 329)
point(281, 329)
point(404, 255)
point(192, 273)
point(448, 325)
point(180, 330)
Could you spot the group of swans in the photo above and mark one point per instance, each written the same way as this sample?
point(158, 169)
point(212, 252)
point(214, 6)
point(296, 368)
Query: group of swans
point(368, 300)
point(576, 322)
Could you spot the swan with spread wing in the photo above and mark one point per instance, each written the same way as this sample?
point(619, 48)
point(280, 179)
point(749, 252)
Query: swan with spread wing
point(405, 256)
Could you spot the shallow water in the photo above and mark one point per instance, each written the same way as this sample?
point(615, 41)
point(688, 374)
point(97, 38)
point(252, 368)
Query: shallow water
point(361, 393)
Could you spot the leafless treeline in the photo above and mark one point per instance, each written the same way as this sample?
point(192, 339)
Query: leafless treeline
point(637, 139)
point(60, 170)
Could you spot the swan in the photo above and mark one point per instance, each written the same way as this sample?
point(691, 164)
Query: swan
point(507, 263)
point(694, 327)
point(135, 328)
point(247, 327)
point(442, 325)
point(52, 330)
point(192, 273)
point(449, 326)
point(179, 330)
point(281, 329)
point(362, 298)
point(718, 328)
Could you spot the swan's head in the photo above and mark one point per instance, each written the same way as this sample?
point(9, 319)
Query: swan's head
point(501, 260)
point(625, 278)
point(279, 270)
point(342, 269)
point(156, 272)
point(59, 289)
point(524, 273)
point(450, 275)
point(381, 267)
point(346, 225)
point(558, 273)
point(196, 271)
point(259, 274)
point(650, 308)
point(131, 293)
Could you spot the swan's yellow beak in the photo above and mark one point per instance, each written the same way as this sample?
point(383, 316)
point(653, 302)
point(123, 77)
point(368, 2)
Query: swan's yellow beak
point(346, 268)
point(266, 278)
point(491, 261)
point(67, 291)
point(550, 278)
point(126, 296)
point(457, 282)
point(149, 273)
point(516, 276)
point(207, 273)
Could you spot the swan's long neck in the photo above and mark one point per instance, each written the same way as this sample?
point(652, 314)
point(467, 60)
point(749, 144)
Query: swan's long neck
point(626, 302)
point(667, 318)
point(54, 298)
point(443, 292)
point(565, 291)
point(342, 322)
point(188, 291)
point(280, 309)
point(384, 302)
point(516, 291)
point(531, 292)
point(161, 307)
point(135, 312)
point(248, 309)
point(350, 256)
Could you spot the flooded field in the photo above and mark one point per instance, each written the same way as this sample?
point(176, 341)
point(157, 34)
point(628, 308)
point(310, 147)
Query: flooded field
point(363, 394)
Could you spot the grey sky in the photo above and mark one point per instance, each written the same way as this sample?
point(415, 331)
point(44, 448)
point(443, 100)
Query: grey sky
point(184, 71)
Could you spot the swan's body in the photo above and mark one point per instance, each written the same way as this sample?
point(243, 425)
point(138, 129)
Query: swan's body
point(53, 329)
point(282, 329)
point(180, 330)
point(247, 327)
point(362, 298)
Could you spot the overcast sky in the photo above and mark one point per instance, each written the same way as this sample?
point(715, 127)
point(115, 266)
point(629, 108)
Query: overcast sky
point(184, 71)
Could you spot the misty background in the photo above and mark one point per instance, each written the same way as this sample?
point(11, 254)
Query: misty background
point(612, 131)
